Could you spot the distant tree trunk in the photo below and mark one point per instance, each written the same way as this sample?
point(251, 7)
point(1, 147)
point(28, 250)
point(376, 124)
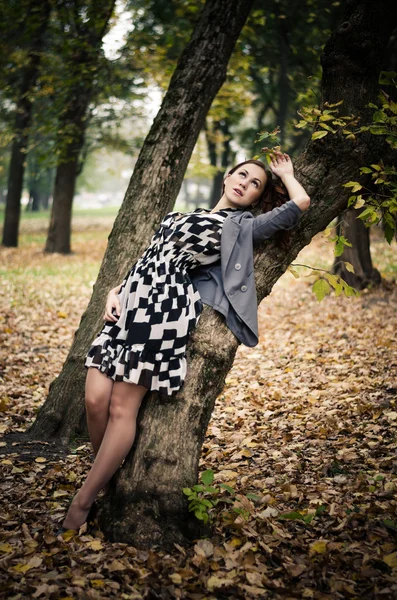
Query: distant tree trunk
point(145, 504)
point(222, 161)
point(359, 255)
point(59, 232)
point(37, 20)
point(73, 123)
point(283, 82)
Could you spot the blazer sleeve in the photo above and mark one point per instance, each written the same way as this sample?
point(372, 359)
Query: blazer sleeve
point(282, 217)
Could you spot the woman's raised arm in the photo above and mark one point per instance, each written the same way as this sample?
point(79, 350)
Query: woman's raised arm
point(281, 165)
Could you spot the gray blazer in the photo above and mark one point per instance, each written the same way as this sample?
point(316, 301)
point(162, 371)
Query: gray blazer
point(229, 284)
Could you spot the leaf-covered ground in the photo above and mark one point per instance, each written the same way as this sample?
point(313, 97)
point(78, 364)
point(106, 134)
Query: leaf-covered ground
point(307, 423)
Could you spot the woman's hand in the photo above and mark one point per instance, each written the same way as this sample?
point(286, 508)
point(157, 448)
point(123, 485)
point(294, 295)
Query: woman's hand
point(112, 303)
point(281, 164)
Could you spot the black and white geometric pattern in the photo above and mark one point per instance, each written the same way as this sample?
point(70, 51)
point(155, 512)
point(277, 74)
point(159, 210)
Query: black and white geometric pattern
point(159, 305)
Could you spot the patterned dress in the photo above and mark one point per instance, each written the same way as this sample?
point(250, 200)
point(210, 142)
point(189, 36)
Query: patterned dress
point(159, 305)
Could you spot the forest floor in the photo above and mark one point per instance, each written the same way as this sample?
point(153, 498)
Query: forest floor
point(304, 433)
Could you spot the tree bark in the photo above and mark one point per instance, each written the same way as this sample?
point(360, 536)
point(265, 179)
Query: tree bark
point(73, 123)
point(359, 255)
point(145, 504)
point(38, 17)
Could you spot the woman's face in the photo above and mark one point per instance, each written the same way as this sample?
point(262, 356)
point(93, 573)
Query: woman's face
point(244, 187)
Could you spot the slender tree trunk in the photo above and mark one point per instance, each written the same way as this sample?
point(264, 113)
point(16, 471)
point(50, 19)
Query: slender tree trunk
point(283, 82)
point(359, 255)
point(59, 232)
point(74, 123)
point(145, 504)
point(221, 162)
point(41, 12)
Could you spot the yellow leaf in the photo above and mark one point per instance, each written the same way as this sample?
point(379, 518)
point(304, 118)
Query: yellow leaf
point(246, 453)
point(294, 272)
point(391, 559)
point(97, 582)
point(40, 459)
point(318, 547)
point(60, 493)
point(6, 547)
point(21, 568)
point(116, 565)
point(16, 470)
point(95, 545)
point(319, 134)
point(176, 578)
point(62, 315)
point(359, 202)
point(349, 267)
point(214, 582)
point(68, 534)
point(6, 461)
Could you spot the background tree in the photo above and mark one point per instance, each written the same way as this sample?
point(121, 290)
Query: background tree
point(349, 223)
point(84, 24)
point(145, 504)
point(23, 27)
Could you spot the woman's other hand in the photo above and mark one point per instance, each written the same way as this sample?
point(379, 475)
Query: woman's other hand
point(281, 164)
point(112, 303)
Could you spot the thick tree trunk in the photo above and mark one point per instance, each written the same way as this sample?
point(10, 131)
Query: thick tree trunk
point(359, 255)
point(40, 13)
point(145, 504)
point(84, 63)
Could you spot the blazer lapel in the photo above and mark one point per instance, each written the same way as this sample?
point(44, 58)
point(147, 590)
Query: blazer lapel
point(230, 232)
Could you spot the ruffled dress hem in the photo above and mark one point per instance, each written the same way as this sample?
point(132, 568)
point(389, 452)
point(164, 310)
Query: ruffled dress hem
point(155, 371)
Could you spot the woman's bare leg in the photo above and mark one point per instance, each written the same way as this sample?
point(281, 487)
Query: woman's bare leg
point(119, 436)
point(98, 390)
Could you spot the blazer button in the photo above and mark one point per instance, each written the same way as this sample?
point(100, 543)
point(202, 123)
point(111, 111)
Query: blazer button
point(243, 288)
point(237, 266)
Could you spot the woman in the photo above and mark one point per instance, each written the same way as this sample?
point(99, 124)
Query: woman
point(148, 318)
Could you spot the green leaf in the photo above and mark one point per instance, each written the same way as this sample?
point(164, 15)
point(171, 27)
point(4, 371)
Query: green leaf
point(379, 116)
point(339, 248)
point(365, 170)
point(319, 134)
point(253, 497)
point(292, 516)
point(355, 185)
point(187, 491)
point(349, 291)
point(351, 200)
point(320, 289)
point(227, 487)
point(367, 213)
point(387, 77)
point(207, 477)
point(389, 233)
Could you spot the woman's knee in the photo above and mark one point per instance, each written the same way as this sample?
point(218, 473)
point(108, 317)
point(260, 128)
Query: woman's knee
point(125, 401)
point(97, 401)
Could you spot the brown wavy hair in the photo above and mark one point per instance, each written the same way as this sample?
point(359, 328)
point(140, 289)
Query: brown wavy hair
point(274, 194)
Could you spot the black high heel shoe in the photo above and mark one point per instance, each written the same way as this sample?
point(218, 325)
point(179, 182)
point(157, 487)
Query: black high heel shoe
point(90, 517)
